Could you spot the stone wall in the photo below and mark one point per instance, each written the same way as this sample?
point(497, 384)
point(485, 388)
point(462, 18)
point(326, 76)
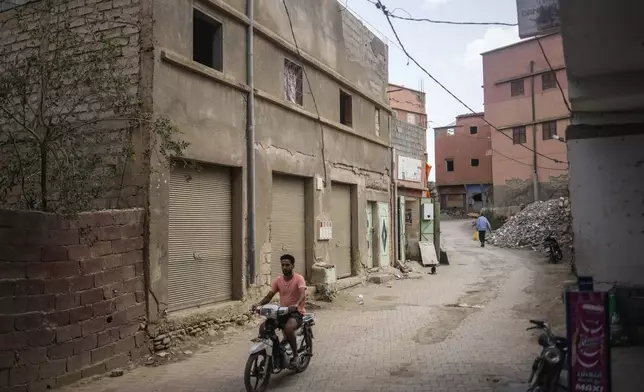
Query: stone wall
point(72, 300)
point(516, 191)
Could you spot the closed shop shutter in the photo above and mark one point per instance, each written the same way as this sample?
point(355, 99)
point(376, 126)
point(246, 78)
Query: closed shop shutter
point(287, 223)
point(341, 218)
point(200, 237)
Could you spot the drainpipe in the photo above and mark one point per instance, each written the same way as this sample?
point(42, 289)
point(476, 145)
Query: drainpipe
point(535, 176)
point(394, 206)
point(250, 142)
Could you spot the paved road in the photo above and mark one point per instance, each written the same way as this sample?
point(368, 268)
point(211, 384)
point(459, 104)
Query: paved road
point(404, 338)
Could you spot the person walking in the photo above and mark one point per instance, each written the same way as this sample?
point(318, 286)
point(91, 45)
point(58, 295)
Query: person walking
point(483, 226)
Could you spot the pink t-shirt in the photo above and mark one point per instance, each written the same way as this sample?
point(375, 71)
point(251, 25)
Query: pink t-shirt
point(289, 290)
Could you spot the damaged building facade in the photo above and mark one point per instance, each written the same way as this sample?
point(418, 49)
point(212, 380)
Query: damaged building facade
point(524, 102)
point(464, 163)
point(322, 174)
point(409, 142)
point(321, 148)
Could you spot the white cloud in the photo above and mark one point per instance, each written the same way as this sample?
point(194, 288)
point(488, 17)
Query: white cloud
point(493, 38)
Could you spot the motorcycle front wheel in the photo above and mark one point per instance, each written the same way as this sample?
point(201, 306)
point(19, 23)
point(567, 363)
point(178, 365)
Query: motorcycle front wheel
point(306, 352)
point(257, 374)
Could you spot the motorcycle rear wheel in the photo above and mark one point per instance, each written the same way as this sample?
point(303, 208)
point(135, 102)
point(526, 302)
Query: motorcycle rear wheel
point(257, 374)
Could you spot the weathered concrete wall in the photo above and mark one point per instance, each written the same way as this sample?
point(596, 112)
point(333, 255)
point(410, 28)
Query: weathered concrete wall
point(96, 22)
point(210, 109)
point(606, 188)
point(72, 299)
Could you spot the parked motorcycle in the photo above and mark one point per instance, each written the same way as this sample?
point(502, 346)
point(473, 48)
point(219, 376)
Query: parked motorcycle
point(552, 247)
point(548, 365)
point(269, 355)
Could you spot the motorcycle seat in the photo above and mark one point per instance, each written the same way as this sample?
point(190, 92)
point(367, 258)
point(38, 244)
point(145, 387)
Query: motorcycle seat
point(308, 317)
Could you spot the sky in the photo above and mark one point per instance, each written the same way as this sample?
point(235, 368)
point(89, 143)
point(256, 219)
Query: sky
point(451, 53)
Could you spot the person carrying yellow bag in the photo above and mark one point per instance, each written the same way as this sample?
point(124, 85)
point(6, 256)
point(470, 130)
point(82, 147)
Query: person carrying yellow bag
point(483, 226)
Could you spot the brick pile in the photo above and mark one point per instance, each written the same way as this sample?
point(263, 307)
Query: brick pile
point(72, 302)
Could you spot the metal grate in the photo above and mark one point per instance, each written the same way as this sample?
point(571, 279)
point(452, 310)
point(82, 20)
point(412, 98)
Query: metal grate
point(199, 237)
point(293, 86)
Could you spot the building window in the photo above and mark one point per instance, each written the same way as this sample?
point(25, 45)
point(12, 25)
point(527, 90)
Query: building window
point(293, 82)
point(518, 135)
point(449, 165)
point(474, 130)
point(411, 118)
point(450, 131)
point(345, 109)
point(9, 4)
point(207, 41)
point(549, 129)
point(377, 121)
point(516, 87)
point(474, 162)
point(548, 80)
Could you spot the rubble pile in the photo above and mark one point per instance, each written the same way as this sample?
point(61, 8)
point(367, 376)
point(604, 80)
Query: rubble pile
point(453, 213)
point(528, 228)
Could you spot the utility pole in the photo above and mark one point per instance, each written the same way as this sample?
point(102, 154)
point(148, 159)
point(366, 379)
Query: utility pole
point(250, 143)
point(535, 175)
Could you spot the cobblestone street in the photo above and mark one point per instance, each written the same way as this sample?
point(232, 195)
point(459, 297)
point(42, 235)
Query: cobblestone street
point(405, 337)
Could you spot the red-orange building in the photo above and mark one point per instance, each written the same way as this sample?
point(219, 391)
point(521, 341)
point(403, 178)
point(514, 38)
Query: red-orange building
point(464, 163)
point(527, 118)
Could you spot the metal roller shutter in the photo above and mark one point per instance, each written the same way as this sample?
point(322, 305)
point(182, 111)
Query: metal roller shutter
point(341, 218)
point(200, 237)
point(287, 223)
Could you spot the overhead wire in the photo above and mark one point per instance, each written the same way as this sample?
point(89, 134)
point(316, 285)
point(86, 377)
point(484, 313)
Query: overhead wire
point(545, 56)
point(384, 10)
point(448, 22)
point(308, 82)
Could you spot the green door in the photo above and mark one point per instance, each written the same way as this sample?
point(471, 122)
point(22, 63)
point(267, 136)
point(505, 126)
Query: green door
point(427, 217)
point(402, 246)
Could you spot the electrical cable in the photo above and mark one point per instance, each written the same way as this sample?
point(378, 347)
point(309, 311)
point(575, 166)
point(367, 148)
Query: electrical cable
point(448, 22)
point(543, 51)
point(384, 10)
point(308, 82)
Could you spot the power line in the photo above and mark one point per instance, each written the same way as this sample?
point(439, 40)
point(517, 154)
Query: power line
point(543, 51)
point(384, 10)
point(448, 22)
point(308, 82)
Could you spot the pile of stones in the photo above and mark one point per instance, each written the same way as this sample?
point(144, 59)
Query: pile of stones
point(164, 341)
point(528, 228)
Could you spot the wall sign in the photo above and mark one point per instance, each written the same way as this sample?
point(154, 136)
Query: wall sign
point(537, 17)
point(409, 169)
point(588, 324)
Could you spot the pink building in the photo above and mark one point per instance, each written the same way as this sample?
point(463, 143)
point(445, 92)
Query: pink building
point(525, 104)
point(407, 105)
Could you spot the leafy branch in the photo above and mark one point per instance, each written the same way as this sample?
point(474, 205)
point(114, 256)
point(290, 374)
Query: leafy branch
point(69, 108)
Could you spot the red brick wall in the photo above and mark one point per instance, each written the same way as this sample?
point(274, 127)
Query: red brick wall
point(72, 297)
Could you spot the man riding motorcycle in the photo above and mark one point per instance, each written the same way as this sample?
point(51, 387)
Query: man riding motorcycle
point(292, 290)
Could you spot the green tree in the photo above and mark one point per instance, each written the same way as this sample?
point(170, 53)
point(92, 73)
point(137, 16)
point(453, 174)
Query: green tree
point(71, 123)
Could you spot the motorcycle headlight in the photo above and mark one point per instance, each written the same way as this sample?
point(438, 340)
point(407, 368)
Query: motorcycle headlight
point(552, 355)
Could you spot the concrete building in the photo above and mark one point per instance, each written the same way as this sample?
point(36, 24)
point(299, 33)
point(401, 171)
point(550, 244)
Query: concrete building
point(408, 105)
point(464, 163)
point(523, 100)
point(322, 149)
point(409, 141)
point(605, 144)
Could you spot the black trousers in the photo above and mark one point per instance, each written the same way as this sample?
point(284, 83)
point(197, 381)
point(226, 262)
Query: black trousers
point(482, 236)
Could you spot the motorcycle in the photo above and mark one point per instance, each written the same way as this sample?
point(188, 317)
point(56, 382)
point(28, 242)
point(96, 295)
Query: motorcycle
point(549, 364)
point(553, 249)
point(269, 355)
